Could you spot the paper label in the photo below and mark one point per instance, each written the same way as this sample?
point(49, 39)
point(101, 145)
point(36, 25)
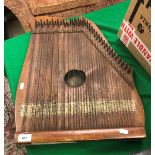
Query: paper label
point(123, 131)
point(24, 137)
point(21, 86)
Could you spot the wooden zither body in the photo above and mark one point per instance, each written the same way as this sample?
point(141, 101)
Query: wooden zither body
point(73, 87)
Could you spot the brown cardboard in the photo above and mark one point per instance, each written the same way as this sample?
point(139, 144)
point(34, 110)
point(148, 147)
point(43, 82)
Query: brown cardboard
point(135, 31)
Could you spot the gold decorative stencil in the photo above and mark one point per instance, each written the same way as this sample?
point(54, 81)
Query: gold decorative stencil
point(64, 109)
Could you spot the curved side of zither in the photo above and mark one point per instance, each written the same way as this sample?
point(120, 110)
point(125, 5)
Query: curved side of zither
point(119, 114)
point(21, 10)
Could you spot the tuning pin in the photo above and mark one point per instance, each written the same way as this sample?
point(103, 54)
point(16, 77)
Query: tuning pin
point(79, 21)
point(91, 31)
point(41, 23)
point(116, 57)
point(105, 45)
point(103, 42)
point(86, 24)
point(97, 37)
point(114, 54)
point(109, 49)
point(52, 22)
point(111, 52)
point(100, 39)
point(90, 27)
point(95, 34)
point(129, 70)
point(47, 22)
point(126, 66)
point(94, 31)
point(67, 23)
point(70, 22)
point(60, 22)
point(82, 22)
point(119, 60)
point(44, 23)
point(57, 21)
point(63, 22)
point(122, 64)
point(75, 20)
point(37, 24)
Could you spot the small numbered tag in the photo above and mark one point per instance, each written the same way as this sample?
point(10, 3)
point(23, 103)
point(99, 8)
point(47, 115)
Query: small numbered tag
point(21, 86)
point(123, 131)
point(24, 137)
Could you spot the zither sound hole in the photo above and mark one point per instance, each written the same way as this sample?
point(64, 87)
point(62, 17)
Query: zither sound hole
point(75, 78)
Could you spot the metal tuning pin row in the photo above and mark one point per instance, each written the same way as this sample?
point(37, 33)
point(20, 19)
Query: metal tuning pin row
point(83, 22)
point(65, 23)
point(47, 22)
point(109, 49)
point(119, 60)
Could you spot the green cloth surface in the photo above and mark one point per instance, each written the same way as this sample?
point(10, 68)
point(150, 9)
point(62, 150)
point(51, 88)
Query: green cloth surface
point(108, 20)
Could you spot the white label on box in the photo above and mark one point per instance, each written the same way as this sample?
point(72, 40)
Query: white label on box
point(24, 137)
point(129, 36)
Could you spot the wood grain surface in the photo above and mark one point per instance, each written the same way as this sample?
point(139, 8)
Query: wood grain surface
point(26, 9)
point(106, 101)
point(50, 6)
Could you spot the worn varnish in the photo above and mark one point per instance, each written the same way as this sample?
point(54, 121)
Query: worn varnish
point(74, 86)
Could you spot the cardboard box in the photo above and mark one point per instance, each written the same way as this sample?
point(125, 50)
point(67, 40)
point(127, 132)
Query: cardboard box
point(135, 31)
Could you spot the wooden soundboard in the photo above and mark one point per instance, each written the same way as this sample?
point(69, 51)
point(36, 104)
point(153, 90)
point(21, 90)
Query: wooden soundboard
point(74, 87)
